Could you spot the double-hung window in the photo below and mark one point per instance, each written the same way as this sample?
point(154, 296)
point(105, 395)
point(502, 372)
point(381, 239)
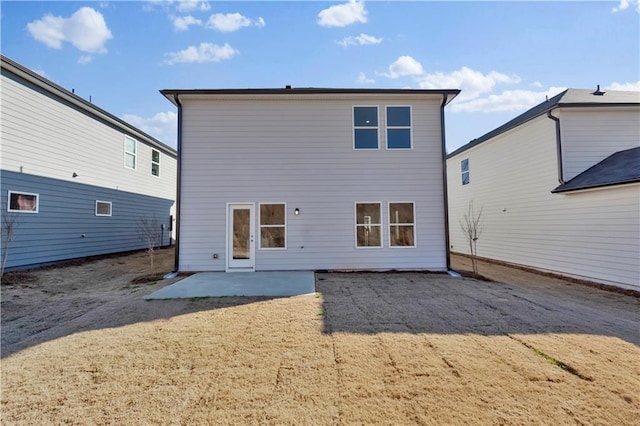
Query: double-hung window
point(464, 167)
point(155, 162)
point(365, 127)
point(368, 225)
point(399, 127)
point(273, 226)
point(402, 225)
point(130, 152)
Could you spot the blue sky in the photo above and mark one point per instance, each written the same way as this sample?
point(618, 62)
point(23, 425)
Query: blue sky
point(506, 56)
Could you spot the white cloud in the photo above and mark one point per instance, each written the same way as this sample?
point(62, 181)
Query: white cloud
point(85, 59)
point(182, 23)
point(625, 86)
point(403, 66)
point(359, 40)
point(362, 79)
point(188, 6)
point(229, 22)
point(205, 52)
point(472, 83)
point(85, 29)
point(509, 100)
point(624, 4)
point(162, 126)
point(343, 14)
point(536, 84)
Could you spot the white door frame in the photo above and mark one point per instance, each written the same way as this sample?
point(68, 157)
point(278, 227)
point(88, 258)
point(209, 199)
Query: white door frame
point(244, 265)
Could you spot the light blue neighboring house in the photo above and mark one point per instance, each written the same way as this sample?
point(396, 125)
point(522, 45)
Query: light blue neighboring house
point(75, 179)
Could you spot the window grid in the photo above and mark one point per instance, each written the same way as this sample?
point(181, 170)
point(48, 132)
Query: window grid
point(398, 235)
point(272, 226)
point(367, 229)
point(367, 127)
point(395, 129)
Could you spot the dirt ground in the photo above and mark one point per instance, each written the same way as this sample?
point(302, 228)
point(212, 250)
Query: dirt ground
point(81, 346)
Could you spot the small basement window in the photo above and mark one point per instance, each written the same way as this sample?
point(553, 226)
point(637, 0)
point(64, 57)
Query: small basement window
point(273, 227)
point(368, 225)
point(398, 127)
point(23, 202)
point(130, 152)
point(103, 208)
point(155, 162)
point(464, 166)
point(365, 127)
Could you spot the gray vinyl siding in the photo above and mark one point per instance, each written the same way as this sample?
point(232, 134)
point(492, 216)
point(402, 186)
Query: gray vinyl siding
point(43, 135)
point(67, 211)
point(301, 152)
point(592, 235)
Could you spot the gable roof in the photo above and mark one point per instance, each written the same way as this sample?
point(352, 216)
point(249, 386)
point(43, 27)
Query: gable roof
point(81, 104)
point(171, 94)
point(567, 98)
point(619, 168)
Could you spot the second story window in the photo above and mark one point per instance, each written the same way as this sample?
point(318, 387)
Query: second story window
point(365, 127)
point(129, 152)
point(398, 127)
point(464, 166)
point(155, 162)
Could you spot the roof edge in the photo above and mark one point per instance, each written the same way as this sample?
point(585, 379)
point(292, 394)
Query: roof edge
point(595, 186)
point(26, 74)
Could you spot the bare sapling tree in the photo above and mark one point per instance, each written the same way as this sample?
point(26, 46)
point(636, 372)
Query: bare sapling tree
point(472, 228)
point(9, 223)
point(150, 231)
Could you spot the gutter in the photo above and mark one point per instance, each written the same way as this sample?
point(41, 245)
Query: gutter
point(444, 182)
point(558, 147)
point(178, 179)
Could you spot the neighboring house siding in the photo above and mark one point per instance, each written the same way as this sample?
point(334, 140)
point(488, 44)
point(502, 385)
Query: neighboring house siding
point(589, 135)
point(301, 152)
point(67, 212)
point(593, 235)
point(43, 136)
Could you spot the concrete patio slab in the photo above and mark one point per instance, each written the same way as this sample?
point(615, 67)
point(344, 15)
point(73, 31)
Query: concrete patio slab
point(221, 284)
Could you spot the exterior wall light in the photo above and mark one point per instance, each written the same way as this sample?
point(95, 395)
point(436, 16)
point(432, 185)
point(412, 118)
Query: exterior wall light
point(296, 211)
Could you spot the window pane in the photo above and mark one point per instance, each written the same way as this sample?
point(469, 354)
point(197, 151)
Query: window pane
point(367, 214)
point(465, 178)
point(272, 237)
point(103, 209)
point(398, 116)
point(401, 236)
point(130, 145)
point(155, 169)
point(368, 236)
point(23, 202)
point(130, 161)
point(272, 214)
point(465, 165)
point(155, 156)
point(366, 138)
point(398, 138)
point(365, 116)
point(401, 213)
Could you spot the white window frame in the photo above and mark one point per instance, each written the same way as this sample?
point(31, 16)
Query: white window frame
point(354, 127)
point(110, 208)
point(157, 163)
point(355, 221)
point(387, 127)
point(462, 172)
point(260, 226)
point(9, 209)
point(415, 242)
point(134, 153)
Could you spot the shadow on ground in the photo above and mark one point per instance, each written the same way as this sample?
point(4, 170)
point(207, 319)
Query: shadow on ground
point(439, 304)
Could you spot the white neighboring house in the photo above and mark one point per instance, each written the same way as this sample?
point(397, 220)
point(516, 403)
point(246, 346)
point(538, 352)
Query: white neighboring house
point(311, 179)
point(75, 179)
point(559, 188)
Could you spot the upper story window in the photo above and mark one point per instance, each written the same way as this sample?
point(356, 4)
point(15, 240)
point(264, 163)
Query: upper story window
point(273, 227)
point(368, 225)
point(464, 166)
point(155, 162)
point(23, 202)
point(103, 208)
point(398, 127)
point(365, 127)
point(130, 154)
